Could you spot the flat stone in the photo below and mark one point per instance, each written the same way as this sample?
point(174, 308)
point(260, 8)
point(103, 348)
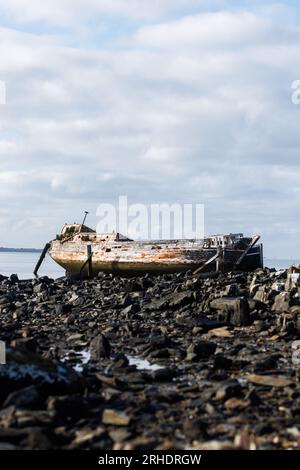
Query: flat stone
point(221, 332)
point(237, 404)
point(269, 380)
point(117, 418)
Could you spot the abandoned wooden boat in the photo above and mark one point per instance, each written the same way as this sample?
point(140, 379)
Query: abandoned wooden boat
point(81, 250)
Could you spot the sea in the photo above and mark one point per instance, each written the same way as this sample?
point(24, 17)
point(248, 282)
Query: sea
point(23, 265)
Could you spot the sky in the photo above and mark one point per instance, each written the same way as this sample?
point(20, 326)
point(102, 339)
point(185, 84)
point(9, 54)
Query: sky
point(177, 101)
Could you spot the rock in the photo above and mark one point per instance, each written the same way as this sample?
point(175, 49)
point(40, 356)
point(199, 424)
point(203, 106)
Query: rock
point(5, 301)
point(212, 445)
point(39, 288)
point(14, 279)
point(231, 290)
point(221, 333)
point(68, 406)
point(181, 299)
point(115, 417)
point(261, 294)
point(281, 302)
point(162, 375)
point(269, 362)
point(121, 360)
point(278, 286)
point(62, 309)
point(131, 309)
point(27, 397)
point(37, 440)
point(222, 362)
point(237, 404)
point(292, 281)
point(235, 310)
point(119, 434)
point(86, 436)
point(195, 428)
point(75, 337)
point(24, 344)
point(200, 350)
point(100, 348)
point(269, 380)
point(228, 389)
point(24, 369)
point(207, 324)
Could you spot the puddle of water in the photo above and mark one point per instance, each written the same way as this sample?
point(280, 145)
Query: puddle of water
point(242, 381)
point(142, 364)
point(82, 358)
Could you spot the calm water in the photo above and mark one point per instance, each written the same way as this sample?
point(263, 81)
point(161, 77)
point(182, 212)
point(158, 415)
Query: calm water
point(23, 264)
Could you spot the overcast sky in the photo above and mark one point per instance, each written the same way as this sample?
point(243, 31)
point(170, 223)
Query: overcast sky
point(161, 100)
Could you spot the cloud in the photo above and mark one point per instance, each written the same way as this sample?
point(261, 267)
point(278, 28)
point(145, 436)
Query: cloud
point(222, 29)
point(71, 11)
point(194, 109)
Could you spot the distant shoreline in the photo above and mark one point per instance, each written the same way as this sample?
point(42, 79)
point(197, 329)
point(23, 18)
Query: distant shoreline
point(20, 250)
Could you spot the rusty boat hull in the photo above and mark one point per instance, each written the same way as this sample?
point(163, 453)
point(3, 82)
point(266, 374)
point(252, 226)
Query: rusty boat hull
point(115, 253)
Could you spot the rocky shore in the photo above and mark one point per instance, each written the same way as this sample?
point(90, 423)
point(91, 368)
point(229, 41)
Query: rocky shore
point(164, 362)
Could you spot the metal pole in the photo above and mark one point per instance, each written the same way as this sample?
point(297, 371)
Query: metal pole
point(85, 216)
point(90, 261)
point(41, 258)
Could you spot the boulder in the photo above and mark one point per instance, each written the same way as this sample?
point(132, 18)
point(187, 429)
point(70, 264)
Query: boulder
point(100, 348)
point(281, 302)
point(200, 350)
point(235, 310)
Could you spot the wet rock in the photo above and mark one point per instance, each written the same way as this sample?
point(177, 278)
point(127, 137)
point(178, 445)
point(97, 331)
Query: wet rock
point(100, 348)
point(195, 428)
point(208, 324)
point(25, 344)
point(181, 299)
point(235, 310)
point(121, 360)
point(281, 302)
point(14, 279)
point(63, 309)
point(67, 406)
point(38, 440)
point(200, 350)
point(161, 375)
point(24, 369)
point(222, 362)
point(269, 362)
point(228, 389)
point(27, 397)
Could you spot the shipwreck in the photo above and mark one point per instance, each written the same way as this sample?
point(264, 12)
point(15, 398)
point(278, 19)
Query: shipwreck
point(82, 251)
